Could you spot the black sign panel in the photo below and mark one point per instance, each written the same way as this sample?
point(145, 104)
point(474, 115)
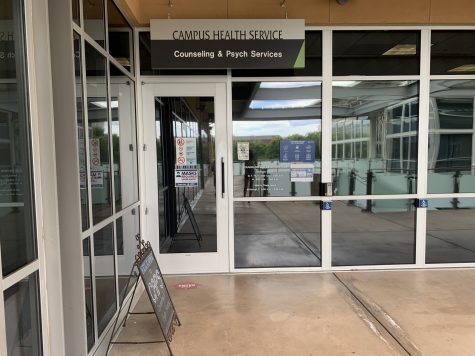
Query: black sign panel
point(227, 54)
point(157, 291)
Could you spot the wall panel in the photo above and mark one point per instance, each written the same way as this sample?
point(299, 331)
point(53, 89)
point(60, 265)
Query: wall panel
point(315, 12)
point(380, 12)
point(452, 12)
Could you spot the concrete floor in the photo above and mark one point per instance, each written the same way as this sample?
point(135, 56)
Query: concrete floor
point(349, 313)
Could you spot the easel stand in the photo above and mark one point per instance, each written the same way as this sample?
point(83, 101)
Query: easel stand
point(144, 248)
point(186, 209)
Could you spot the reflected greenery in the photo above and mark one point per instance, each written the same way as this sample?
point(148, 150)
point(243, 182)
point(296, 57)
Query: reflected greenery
point(271, 150)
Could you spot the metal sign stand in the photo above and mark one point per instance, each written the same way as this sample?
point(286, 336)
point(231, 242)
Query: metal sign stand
point(187, 209)
point(143, 248)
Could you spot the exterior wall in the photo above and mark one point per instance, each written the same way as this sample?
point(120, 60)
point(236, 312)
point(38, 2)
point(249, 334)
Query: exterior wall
point(61, 267)
point(68, 183)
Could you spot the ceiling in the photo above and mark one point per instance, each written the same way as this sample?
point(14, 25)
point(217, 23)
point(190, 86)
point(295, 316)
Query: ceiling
point(315, 12)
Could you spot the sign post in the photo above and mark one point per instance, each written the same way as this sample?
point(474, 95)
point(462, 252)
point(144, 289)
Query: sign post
point(157, 292)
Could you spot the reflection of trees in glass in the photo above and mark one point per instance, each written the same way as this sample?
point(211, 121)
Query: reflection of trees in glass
point(268, 151)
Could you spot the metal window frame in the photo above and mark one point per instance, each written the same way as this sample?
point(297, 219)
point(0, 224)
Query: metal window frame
point(93, 228)
point(327, 78)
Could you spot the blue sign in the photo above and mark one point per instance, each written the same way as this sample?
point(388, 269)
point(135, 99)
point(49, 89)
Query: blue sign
point(326, 205)
point(297, 151)
point(423, 203)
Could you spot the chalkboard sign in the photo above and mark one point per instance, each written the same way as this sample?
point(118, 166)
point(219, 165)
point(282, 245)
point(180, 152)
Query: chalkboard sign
point(157, 291)
point(189, 211)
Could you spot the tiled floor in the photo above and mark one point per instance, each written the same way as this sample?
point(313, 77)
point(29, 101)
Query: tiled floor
point(354, 313)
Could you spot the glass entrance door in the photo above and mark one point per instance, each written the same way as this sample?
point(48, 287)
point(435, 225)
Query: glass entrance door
point(277, 171)
point(185, 172)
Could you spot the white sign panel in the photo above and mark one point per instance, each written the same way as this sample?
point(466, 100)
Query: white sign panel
point(97, 179)
point(95, 152)
point(301, 172)
point(243, 151)
point(185, 151)
point(186, 178)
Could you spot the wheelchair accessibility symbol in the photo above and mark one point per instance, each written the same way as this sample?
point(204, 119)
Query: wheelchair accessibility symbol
point(423, 203)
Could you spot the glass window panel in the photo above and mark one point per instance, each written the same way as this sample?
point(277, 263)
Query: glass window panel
point(364, 149)
point(376, 105)
point(376, 52)
point(270, 117)
point(97, 108)
point(146, 62)
point(450, 230)
point(88, 293)
point(277, 234)
point(175, 116)
point(75, 11)
point(313, 61)
point(127, 227)
point(348, 130)
point(451, 161)
point(23, 318)
point(373, 232)
point(124, 140)
point(348, 151)
point(17, 226)
point(81, 133)
point(120, 36)
point(452, 52)
point(357, 150)
point(104, 276)
point(94, 23)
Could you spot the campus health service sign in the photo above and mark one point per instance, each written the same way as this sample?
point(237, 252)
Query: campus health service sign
point(200, 44)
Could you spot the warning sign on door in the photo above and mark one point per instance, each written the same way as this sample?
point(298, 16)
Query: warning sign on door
point(185, 151)
point(186, 178)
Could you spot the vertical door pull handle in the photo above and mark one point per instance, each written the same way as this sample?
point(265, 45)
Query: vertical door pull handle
point(223, 180)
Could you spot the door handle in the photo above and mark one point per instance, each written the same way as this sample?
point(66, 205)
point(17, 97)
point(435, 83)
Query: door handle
point(223, 180)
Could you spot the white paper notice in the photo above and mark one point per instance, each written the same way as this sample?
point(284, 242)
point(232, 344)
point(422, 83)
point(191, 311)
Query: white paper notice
point(301, 172)
point(243, 151)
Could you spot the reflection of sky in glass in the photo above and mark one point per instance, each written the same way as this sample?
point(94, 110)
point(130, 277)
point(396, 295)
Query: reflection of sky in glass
point(282, 128)
point(283, 104)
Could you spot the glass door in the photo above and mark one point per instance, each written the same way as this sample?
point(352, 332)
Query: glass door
point(277, 174)
point(185, 176)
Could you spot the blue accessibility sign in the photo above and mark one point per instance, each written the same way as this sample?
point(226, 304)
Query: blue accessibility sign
point(297, 151)
point(326, 205)
point(423, 203)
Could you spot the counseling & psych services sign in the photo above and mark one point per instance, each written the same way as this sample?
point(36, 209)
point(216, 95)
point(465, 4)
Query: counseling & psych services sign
point(227, 43)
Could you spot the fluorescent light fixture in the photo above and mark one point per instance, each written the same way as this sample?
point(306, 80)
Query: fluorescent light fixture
point(287, 85)
point(283, 104)
point(464, 68)
point(401, 50)
point(124, 61)
point(103, 104)
point(346, 83)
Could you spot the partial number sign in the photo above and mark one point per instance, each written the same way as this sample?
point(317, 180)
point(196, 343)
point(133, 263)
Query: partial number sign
point(185, 151)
